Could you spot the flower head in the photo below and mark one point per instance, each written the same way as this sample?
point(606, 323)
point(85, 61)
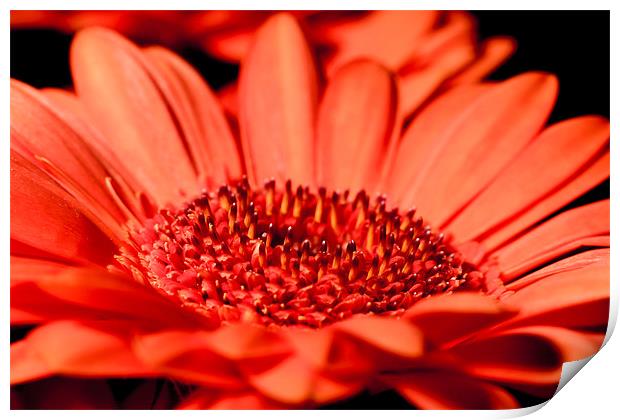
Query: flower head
point(149, 241)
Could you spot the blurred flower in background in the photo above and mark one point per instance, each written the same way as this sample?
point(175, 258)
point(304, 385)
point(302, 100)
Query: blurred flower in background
point(427, 50)
point(160, 259)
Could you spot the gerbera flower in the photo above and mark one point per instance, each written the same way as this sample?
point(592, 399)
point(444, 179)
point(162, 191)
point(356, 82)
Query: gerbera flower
point(145, 246)
point(430, 51)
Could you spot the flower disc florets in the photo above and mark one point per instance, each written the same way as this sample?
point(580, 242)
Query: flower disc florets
point(293, 256)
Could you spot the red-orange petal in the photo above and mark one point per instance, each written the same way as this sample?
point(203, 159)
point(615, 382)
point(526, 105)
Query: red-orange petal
point(477, 144)
point(574, 262)
point(438, 390)
point(41, 135)
point(493, 52)
point(111, 79)
point(571, 344)
point(577, 298)
point(45, 218)
point(278, 91)
point(423, 142)
point(366, 37)
point(554, 157)
point(71, 348)
point(51, 291)
point(436, 316)
point(518, 358)
point(562, 234)
point(189, 357)
point(355, 124)
point(575, 188)
point(390, 335)
point(197, 113)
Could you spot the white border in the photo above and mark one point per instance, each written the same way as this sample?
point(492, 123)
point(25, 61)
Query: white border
point(593, 394)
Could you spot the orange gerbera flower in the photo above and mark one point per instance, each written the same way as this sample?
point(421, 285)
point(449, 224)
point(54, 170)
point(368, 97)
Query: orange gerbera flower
point(434, 49)
point(145, 246)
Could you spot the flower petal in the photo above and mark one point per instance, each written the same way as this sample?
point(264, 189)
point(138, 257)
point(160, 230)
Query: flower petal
point(45, 218)
point(277, 104)
point(37, 131)
point(555, 156)
point(523, 360)
point(111, 79)
point(187, 356)
point(580, 299)
point(583, 259)
point(571, 345)
point(494, 51)
point(365, 37)
point(436, 316)
point(355, 123)
point(389, 335)
point(197, 112)
point(562, 234)
point(423, 141)
point(71, 348)
point(575, 188)
point(450, 391)
point(476, 144)
point(53, 291)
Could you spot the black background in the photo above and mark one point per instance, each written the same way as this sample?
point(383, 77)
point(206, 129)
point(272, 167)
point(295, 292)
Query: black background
point(575, 45)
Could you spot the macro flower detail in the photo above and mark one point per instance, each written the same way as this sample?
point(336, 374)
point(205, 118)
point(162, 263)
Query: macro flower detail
point(289, 257)
point(329, 249)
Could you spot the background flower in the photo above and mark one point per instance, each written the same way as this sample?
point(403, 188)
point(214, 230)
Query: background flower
point(398, 354)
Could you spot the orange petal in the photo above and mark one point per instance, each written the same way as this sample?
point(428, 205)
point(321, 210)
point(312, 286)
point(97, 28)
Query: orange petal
point(477, 144)
point(228, 96)
point(523, 360)
point(583, 259)
point(451, 391)
point(366, 37)
point(423, 141)
point(390, 335)
point(311, 345)
point(112, 81)
point(187, 356)
point(51, 291)
point(231, 46)
point(436, 316)
point(494, 52)
point(417, 87)
point(554, 157)
point(249, 342)
point(197, 113)
point(444, 52)
point(577, 298)
point(571, 345)
point(277, 103)
point(71, 348)
point(573, 189)
point(355, 123)
point(289, 382)
point(37, 131)
point(562, 234)
point(46, 218)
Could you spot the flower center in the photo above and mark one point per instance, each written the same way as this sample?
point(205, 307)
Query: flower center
point(294, 256)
